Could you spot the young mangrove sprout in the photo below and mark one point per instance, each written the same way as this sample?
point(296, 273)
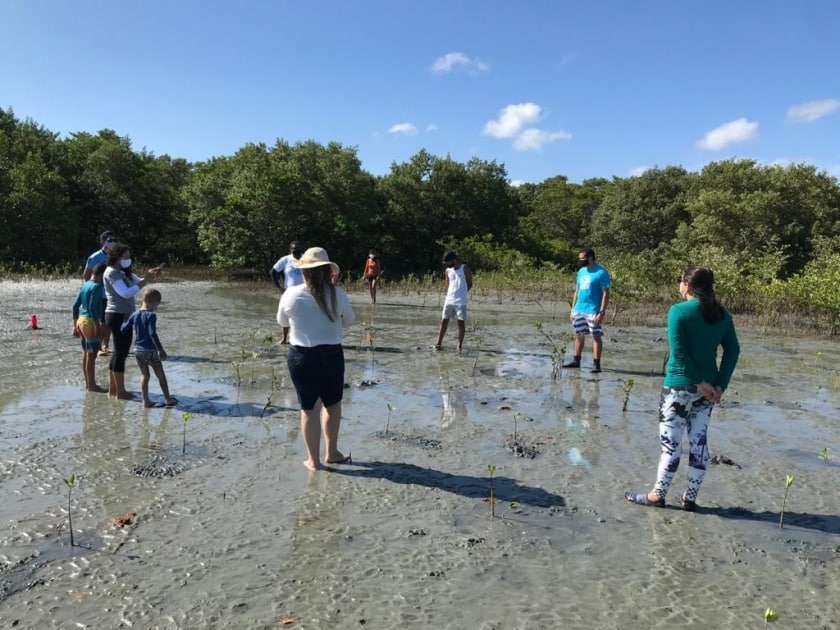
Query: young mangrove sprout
point(270, 392)
point(70, 482)
point(388, 421)
point(824, 455)
point(558, 350)
point(491, 469)
point(516, 416)
point(186, 418)
point(626, 387)
point(770, 616)
point(788, 484)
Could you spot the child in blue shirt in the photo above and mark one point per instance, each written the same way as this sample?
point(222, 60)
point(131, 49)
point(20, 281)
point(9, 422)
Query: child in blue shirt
point(147, 347)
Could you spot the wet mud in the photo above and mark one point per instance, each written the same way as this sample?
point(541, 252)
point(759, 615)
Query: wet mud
point(230, 530)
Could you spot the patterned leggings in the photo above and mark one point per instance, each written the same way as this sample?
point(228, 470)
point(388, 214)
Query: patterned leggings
point(682, 409)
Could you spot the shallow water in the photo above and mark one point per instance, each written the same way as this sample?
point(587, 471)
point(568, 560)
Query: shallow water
point(241, 535)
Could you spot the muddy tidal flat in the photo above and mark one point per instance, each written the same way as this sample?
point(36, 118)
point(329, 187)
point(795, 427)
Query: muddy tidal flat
point(223, 527)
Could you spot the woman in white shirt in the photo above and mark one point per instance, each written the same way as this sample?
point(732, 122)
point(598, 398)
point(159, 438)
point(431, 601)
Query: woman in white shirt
point(316, 313)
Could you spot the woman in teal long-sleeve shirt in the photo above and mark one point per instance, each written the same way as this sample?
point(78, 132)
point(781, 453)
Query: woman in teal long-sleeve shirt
point(693, 383)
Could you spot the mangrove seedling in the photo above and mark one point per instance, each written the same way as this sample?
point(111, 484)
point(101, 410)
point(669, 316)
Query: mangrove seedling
point(788, 484)
point(186, 418)
point(626, 387)
point(770, 616)
point(558, 350)
point(388, 421)
point(824, 455)
point(270, 392)
point(491, 469)
point(70, 482)
point(516, 416)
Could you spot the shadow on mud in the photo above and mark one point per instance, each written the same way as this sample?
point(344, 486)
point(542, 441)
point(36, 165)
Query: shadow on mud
point(183, 358)
point(828, 523)
point(221, 407)
point(504, 488)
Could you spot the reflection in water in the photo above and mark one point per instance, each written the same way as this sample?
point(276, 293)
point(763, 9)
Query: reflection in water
point(585, 410)
point(454, 407)
point(315, 556)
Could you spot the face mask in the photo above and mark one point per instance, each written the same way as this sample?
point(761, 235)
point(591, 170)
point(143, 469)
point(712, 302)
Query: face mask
point(582, 263)
point(125, 263)
point(297, 253)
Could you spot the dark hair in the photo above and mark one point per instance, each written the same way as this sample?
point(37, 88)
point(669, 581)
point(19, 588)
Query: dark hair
point(449, 256)
point(701, 281)
point(116, 254)
point(294, 245)
point(589, 253)
point(319, 282)
point(152, 295)
point(99, 269)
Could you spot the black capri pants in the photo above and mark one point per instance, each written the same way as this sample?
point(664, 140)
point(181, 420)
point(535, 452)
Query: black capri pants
point(122, 341)
point(317, 372)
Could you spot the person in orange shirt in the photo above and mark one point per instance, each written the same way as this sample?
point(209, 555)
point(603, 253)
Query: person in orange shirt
point(372, 270)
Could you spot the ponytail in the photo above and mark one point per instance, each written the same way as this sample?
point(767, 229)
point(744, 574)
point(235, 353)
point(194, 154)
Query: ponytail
point(701, 281)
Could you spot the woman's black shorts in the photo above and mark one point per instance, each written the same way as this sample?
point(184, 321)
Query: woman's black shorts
point(317, 372)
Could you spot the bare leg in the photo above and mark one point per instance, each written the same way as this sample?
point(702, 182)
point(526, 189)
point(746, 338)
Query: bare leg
point(578, 345)
point(164, 384)
point(597, 346)
point(89, 363)
point(462, 330)
point(373, 284)
point(331, 423)
point(119, 379)
point(310, 426)
point(112, 383)
point(444, 324)
point(85, 370)
point(106, 339)
point(144, 385)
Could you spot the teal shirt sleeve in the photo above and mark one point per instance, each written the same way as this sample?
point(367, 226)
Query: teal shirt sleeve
point(77, 304)
point(731, 352)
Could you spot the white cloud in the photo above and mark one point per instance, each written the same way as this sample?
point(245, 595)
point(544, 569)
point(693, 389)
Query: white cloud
point(812, 110)
point(516, 183)
point(431, 127)
point(512, 119)
point(638, 170)
point(534, 139)
point(458, 60)
point(739, 130)
point(406, 129)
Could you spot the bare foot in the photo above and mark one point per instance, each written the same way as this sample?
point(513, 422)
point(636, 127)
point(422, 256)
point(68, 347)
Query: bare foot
point(125, 396)
point(311, 466)
point(148, 404)
point(338, 458)
point(98, 389)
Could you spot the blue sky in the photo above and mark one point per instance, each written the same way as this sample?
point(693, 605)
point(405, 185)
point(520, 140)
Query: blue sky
point(545, 87)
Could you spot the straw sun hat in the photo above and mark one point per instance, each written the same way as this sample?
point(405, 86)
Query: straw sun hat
point(315, 257)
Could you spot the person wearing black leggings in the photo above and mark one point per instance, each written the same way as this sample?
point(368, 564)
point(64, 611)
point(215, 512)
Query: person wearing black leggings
point(121, 285)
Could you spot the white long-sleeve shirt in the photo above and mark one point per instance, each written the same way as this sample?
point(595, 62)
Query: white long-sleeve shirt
point(308, 325)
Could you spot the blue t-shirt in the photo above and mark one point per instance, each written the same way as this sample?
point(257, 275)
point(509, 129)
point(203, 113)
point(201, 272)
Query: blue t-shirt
point(94, 259)
point(590, 287)
point(144, 324)
point(291, 275)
